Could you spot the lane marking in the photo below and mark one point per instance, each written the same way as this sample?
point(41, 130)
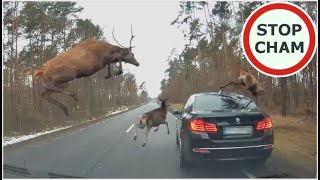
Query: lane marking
point(250, 175)
point(130, 128)
point(72, 133)
point(58, 138)
point(173, 116)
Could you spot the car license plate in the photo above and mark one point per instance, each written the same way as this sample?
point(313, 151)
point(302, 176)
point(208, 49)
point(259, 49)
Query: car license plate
point(232, 130)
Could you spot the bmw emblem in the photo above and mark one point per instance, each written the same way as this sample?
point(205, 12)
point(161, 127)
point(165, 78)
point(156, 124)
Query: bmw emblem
point(238, 120)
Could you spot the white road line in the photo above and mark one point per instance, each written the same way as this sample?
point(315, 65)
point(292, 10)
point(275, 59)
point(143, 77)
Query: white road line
point(58, 138)
point(248, 174)
point(173, 116)
point(130, 128)
point(72, 133)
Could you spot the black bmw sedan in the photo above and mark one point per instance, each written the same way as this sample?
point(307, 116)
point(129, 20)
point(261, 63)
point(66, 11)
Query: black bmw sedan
point(223, 126)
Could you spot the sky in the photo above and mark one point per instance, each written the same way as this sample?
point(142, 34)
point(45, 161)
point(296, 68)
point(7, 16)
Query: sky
point(155, 37)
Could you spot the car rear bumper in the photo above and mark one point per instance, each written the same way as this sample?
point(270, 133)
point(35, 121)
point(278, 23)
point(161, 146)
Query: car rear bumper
point(233, 153)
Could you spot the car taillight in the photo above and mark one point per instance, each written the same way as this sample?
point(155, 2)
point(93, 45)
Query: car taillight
point(265, 124)
point(199, 150)
point(199, 125)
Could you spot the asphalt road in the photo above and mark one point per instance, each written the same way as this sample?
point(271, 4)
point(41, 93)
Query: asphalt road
point(105, 150)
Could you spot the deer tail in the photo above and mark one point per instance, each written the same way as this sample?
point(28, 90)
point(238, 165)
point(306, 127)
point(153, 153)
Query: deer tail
point(36, 73)
point(143, 120)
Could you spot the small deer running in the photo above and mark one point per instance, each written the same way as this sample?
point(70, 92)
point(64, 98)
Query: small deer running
point(153, 118)
point(82, 60)
point(249, 82)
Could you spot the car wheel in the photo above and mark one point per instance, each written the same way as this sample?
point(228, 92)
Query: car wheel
point(177, 139)
point(184, 164)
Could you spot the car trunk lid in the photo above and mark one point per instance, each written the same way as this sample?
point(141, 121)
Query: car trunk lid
point(233, 124)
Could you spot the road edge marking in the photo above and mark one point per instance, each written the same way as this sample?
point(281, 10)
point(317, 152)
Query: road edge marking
point(130, 128)
point(172, 115)
point(72, 133)
point(58, 138)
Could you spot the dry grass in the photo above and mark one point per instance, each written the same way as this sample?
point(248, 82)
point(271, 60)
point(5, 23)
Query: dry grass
point(296, 141)
point(295, 134)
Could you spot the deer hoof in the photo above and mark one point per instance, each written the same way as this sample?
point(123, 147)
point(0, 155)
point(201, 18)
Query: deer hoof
point(144, 144)
point(155, 130)
point(135, 138)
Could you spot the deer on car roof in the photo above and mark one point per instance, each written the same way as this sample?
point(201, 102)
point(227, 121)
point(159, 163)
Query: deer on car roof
point(249, 82)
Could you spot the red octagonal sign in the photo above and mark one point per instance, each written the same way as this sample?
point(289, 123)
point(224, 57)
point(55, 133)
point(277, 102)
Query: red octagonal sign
point(279, 39)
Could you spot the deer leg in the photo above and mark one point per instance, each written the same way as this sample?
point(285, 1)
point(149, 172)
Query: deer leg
point(73, 95)
point(46, 95)
point(146, 138)
point(109, 73)
point(141, 125)
point(167, 127)
point(136, 131)
point(60, 89)
point(120, 68)
point(231, 83)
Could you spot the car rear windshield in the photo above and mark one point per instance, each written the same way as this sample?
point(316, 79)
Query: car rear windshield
point(222, 103)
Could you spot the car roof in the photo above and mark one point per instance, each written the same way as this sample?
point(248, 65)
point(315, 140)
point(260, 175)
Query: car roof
point(234, 95)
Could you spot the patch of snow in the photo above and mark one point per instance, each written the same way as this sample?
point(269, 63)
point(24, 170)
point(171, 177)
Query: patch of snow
point(13, 140)
point(92, 119)
point(116, 112)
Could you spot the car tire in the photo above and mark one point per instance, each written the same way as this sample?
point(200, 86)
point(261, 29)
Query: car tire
point(177, 139)
point(184, 164)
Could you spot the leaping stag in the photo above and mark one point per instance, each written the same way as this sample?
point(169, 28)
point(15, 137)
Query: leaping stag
point(82, 60)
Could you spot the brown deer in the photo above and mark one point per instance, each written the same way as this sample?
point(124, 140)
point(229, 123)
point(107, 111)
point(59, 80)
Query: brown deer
point(249, 82)
point(82, 60)
point(153, 118)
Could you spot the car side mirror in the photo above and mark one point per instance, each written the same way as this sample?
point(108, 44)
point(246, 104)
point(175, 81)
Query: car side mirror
point(176, 112)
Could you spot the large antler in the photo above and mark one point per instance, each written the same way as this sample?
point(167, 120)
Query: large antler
point(132, 36)
point(115, 39)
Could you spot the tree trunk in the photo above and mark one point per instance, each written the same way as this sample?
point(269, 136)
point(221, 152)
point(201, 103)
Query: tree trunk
point(283, 85)
point(216, 75)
